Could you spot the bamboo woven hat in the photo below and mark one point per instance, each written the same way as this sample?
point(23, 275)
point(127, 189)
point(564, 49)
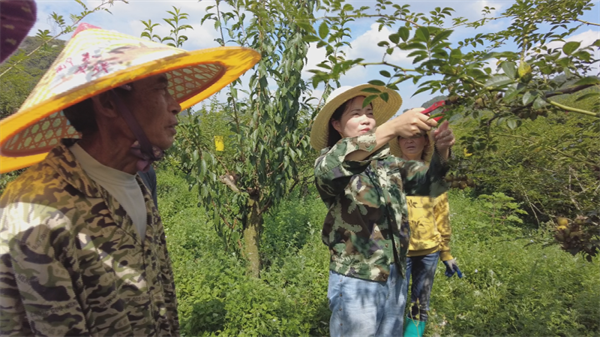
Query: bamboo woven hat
point(381, 109)
point(97, 60)
point(427, 150)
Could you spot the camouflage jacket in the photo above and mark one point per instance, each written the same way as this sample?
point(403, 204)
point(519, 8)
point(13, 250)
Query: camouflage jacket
point(366, 202)
point(72, 262)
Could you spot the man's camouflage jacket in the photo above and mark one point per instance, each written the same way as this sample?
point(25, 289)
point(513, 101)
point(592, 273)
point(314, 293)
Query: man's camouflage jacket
point(72, 262)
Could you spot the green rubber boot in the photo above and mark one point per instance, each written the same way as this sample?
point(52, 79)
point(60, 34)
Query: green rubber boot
point(414, 328)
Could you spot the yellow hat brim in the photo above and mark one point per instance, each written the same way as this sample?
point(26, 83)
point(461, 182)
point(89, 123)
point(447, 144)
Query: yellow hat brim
point(233, 60)
point(382, 111)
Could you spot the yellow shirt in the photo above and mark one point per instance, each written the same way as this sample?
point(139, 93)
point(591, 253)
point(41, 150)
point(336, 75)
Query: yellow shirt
point(429, 226)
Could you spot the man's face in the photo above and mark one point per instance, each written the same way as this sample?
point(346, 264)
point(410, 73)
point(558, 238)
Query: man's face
point(155, 109)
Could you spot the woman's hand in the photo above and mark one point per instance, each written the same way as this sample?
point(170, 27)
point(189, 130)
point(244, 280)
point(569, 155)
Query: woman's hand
point(444, 139)
point(412, 123)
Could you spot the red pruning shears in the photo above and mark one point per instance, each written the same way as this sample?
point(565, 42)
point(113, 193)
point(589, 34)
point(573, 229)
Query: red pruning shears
point(435, 106)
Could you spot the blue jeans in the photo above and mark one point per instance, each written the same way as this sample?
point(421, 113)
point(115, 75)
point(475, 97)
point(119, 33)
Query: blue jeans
point(422, 269)
point(365, 308)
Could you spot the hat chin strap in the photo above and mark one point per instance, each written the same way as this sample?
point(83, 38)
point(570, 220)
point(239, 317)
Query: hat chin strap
point(141, 148)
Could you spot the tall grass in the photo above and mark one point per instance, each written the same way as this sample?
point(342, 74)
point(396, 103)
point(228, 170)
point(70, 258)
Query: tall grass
point(510, 289)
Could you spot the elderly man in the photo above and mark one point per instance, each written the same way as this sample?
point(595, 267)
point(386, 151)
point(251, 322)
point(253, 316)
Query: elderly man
point(82, 245)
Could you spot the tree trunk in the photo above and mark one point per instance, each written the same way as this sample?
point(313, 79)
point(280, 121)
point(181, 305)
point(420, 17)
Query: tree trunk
point(252, 233)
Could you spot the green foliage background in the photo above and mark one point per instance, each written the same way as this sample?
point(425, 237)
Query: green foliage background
point(548, 165)
point(552, 164)
point(510, 288)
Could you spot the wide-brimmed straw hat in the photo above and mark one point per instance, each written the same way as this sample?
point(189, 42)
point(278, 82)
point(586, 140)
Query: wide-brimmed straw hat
point(97, 60)
point(427, 151)
point(17, 17)
point(382, 110)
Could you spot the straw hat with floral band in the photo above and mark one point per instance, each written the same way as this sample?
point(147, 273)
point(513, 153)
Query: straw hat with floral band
point(382, 110)
point(97, 60)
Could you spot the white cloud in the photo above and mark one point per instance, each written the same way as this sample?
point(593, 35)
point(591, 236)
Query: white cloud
point(314, 56)
point(586, 39)
point(365, 46)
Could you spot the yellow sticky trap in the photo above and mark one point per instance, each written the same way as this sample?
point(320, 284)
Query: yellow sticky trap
point(219, 145)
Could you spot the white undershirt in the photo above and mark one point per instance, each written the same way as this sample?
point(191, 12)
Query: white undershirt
point(121, 185)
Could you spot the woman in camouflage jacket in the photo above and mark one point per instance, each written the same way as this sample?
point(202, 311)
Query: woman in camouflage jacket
point(365, 189)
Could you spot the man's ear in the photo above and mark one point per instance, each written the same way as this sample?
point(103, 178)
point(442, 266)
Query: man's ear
point(104, 105)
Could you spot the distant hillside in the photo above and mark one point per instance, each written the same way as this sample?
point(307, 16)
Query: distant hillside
point(19, 81)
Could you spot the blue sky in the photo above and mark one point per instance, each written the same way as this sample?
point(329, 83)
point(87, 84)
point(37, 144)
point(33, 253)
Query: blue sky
point(126, 18)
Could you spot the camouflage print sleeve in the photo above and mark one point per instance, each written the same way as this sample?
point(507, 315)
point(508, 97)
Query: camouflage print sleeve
point(425, 180)
point(333, 172)
point(33, 282)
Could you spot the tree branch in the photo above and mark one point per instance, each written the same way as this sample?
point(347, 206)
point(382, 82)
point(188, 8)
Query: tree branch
point(384, 63)
point(588, 23)
point(581, 111)
point(568, 90)
point(560, 92)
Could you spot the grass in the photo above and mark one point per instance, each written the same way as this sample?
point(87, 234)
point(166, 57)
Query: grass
point(510, 288)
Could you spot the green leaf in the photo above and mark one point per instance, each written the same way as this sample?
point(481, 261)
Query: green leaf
point(510, 94)
point(422, 34)
point(570, 47)
point(311, 38)
point(455, 56)
point(323, 30)
point(441, 36)
point(511, 123)
point(403, 32)
point(385, 73)
point(419, 59)
point(596, 43)
point(420, 90)
point(377, 82)
point(476, 73)
point(372, 90)
point(369, 99)
point(498, 81)
point(539, 103)
point(528, 97)
point(417, 53)
point(415, 45)
point(384, 96)
point(395, 38)
point(588, 80)
point(510, 69)
point(305, 24)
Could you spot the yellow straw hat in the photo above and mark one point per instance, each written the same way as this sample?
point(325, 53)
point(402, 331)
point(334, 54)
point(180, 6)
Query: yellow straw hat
point(381, 109)
point(97, 60)
point(427, 150)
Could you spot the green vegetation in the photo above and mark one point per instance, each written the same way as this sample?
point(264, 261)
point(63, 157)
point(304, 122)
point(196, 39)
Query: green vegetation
point(19, 81)
point(519, 151)
point(511, 288)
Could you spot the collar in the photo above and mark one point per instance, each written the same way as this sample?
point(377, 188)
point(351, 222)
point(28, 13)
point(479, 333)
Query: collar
point(64, 163)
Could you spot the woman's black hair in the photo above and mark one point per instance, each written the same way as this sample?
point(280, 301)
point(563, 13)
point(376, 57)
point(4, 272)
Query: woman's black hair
point(333, 136)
